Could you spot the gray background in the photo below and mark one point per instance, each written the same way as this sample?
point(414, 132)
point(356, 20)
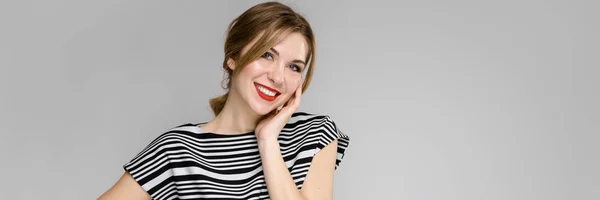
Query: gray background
point(461, 100)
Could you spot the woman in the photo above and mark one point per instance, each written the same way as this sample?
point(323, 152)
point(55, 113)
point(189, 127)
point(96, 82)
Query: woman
point(257, 146)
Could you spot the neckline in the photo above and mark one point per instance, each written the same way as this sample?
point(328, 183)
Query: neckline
point(202, 131)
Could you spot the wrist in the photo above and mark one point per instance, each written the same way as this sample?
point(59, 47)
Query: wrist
point(267, 137)
point(267, 143)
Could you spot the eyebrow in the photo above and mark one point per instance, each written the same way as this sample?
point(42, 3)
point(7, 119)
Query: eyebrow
point(295, 61)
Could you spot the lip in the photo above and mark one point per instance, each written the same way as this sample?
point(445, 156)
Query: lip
point(274, 90)
point(263, 96)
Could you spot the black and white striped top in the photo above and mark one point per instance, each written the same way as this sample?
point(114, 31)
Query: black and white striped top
point(188, 162)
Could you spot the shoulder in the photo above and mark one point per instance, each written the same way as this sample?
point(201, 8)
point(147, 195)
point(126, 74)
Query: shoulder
point(172, 138)
point(176, 134)
point(323, 128)
point(149, 167)
point(320, 125)
point(314, 121)
point(305, 118)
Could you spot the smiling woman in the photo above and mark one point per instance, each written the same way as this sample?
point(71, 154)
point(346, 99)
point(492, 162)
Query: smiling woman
point(258, 146)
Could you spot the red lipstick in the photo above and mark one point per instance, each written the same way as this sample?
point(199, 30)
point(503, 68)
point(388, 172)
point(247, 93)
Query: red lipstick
point(264, 96)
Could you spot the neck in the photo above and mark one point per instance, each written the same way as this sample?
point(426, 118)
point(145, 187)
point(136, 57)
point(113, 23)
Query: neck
point(236, 117)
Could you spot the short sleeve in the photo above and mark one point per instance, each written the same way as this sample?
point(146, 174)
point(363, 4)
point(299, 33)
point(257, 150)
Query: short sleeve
point(329, 133)
point(151, 166)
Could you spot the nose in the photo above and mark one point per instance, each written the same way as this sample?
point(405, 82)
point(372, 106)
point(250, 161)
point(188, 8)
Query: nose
point(276, 74)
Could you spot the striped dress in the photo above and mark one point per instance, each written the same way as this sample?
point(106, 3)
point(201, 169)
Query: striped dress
point(187, 162)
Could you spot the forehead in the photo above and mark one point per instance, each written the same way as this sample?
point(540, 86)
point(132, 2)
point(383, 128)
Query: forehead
point(292, 47)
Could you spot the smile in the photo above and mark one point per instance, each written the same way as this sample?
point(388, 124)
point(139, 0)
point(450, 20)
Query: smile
point(266, 92)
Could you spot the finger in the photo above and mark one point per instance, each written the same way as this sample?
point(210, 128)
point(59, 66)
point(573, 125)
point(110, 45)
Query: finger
point(292, 104)
point(290, 108)
point(298, 96)
point(292, 99)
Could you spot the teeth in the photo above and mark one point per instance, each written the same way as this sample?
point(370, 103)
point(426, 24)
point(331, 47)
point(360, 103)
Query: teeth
point(266, 91)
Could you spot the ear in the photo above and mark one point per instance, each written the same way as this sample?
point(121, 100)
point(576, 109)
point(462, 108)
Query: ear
point(231, 63)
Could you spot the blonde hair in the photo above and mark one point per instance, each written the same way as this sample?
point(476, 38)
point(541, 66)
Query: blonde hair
point(271, 21)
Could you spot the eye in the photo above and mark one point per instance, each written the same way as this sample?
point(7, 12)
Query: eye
point(295, 68)
point(267, 56)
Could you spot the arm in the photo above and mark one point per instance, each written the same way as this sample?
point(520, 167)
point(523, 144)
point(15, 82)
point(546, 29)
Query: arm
point(318, 183)
point(125, 188)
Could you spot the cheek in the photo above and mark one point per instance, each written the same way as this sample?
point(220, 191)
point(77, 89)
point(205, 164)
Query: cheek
point(249, 72)
point(293, 82)
point(252, 67)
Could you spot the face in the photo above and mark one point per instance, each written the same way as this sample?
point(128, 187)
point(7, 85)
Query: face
point(269, 81)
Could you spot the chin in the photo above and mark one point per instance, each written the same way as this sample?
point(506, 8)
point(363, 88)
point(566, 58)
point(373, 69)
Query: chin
point(262, 109)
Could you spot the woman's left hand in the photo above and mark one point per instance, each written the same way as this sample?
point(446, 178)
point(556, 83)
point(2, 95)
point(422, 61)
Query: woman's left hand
point(271, 125)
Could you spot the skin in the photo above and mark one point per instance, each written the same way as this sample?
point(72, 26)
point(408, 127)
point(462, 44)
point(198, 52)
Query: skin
point(245, 111)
